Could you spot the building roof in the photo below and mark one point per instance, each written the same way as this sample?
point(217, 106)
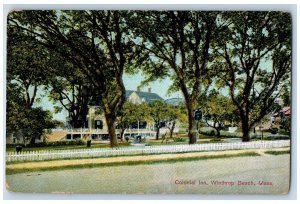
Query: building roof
point(174, 101)
point(285, 110)
point(147, 96)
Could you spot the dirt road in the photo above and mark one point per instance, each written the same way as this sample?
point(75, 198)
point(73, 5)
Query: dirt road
point(266, 174)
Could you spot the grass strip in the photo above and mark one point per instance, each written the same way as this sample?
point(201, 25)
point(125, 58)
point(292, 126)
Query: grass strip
point(278, 152)
point(10, 171)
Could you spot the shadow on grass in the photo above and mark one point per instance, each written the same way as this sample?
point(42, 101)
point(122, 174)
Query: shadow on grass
point(278, 152)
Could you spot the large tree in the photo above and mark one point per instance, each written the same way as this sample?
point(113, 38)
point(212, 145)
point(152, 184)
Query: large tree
point(254, 57)
point(26, 124)
point(27, 72)
point(98, 42)
point(26, 64)
point(179, 43)
point(37, 69)
point(70, 90)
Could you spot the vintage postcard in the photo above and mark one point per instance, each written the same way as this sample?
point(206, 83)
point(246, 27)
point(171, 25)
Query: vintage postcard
point(148, 102)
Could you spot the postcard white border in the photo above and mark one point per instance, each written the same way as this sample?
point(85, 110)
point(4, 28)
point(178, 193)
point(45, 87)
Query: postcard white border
point(114, 4)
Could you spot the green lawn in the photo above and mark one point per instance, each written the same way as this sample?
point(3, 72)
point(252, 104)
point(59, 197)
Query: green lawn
point(278, 152)
point(102, 145)
point(182, 139)
point(95, 145)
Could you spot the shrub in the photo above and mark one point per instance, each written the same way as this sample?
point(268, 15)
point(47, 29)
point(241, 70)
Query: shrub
point(212, 133)
point(13, 145)
point(255, 136)
point(179, 139)
point(276, 137)
point(60, 143)
point(273, 130)
point(207, 132)
point(283, 132)
point(88, 143)
point(229, 134)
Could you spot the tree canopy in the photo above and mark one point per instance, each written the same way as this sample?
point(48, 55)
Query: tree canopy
point(179, 44)
point(217, 110)
point(254, 61)
point(80, 56)
point(97, 42)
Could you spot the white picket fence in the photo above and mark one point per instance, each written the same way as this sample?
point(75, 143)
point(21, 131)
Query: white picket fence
point(137, 150)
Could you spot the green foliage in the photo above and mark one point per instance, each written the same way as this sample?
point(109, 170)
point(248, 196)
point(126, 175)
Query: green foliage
point(80, 57)
point(95, 45)
point(29, 65)
point(208, 132)
point(179, 139)
point(60, 143)
point(30, 122)
point(278, 152)
point(58, 124)
point(177, 44)
point(131, 113)
point(277, 137)
point(218, 110)
point(285, 123)
point(224, 134)
point(253, 59)
point(215, 140)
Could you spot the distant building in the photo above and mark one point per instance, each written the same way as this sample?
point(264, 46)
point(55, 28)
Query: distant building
point(285, 111)
point(174, 101)
point(138, 97)
point(276, 117)
point(96, 125)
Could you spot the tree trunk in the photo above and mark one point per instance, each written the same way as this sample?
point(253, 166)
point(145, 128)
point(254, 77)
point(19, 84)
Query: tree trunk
point(157, 133)
point(218, 132)
point(32, 141)
point(192, 125)
point(110, 121)
point(24, 138)
point(75, 123)
point(172, 129)
point(246, 131)
point(122, 134)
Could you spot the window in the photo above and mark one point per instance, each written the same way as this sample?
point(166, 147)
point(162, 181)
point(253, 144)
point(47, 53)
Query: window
point(98, 124)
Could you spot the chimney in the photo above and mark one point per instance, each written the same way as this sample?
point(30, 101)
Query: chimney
point(138, 89)
point(149, 90)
